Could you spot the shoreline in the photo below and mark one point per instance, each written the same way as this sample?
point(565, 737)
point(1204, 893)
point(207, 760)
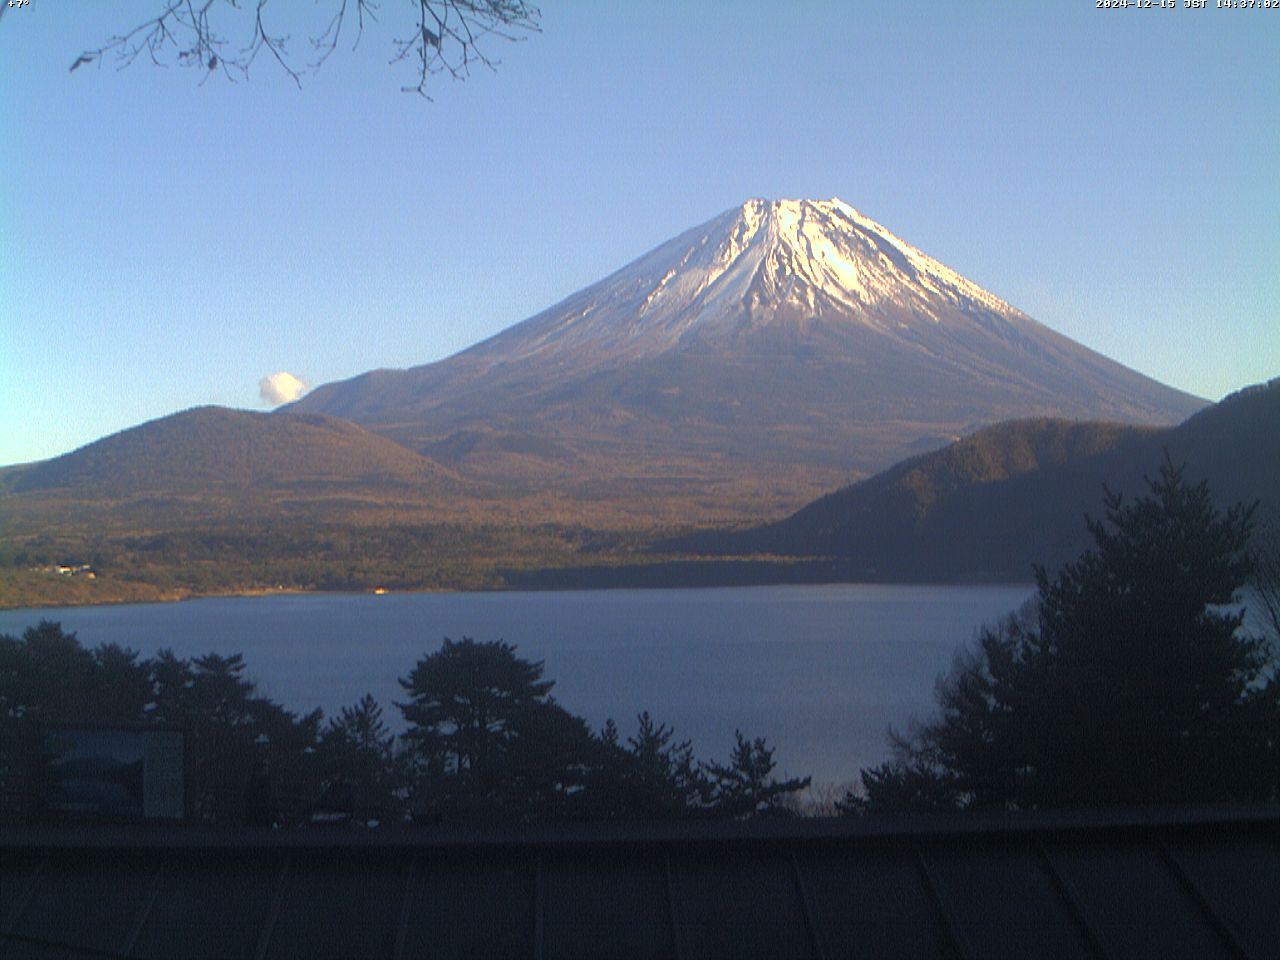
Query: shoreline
point(663, 575)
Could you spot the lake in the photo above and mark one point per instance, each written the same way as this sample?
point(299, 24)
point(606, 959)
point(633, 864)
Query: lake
point(821, 671)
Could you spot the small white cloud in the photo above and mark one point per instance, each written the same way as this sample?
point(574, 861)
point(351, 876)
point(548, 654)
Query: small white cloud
point(280, 388)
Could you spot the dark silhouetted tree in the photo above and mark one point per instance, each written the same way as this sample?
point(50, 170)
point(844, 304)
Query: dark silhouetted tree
point(1265, 582)
point(122, 690)
point(652, 776)
point(1264, 603)
point(46, 676)
point(361, 770)
point(745, 787)
point(1129, 681)
point(239, 744)
point(549, 767)
point(470, 707)
point(485, 741)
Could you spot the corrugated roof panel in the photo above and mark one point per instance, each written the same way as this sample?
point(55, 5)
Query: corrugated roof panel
point(1003, 902)
point(871, 901)
point(606, 904)
point(1134, 902)
point(1163, 884)
point(211, 905)
point(338, 905)
point(472, 904)
point(738, 903)
point(1240, 879)
point(81, 901)
point(18, 873)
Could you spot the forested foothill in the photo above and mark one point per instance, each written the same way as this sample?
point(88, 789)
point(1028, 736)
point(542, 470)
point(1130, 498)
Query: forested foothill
point(989, 506)
point(213, 502)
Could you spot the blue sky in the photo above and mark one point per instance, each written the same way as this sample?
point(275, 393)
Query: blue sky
point(166, 243)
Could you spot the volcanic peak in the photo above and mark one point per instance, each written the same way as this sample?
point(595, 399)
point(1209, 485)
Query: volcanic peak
point(850, 257)
point(757, 265)
point(780, 331)
point(808, 250)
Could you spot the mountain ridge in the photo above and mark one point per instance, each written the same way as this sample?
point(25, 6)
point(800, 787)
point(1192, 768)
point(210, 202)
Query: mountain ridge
point(218, 446)
point(1014, 494)
point(983, 509)
point(797, 341)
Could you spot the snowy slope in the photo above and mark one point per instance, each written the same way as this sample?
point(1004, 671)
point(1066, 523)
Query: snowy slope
point(815, 256)
point(777, 339)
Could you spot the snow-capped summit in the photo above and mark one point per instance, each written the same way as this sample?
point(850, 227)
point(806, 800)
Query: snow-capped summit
point(772, 252)
point(782, 346)
point(788, 261)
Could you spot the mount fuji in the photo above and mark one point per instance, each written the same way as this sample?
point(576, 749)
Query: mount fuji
point(776, 351)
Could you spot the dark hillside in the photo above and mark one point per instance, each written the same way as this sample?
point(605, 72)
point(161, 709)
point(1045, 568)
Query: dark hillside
point(892, 525)
point(1235, 445)
point(994, 503)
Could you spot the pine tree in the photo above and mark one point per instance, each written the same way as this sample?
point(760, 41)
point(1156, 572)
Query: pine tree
point(745, 787)
point(1130, 681)
point(466, 704)
point(359, 765)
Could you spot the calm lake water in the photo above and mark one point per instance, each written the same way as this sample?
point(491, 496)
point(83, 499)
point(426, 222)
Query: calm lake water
point(821, 671)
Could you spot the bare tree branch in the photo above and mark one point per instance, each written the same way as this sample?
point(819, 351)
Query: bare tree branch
point(446, 37)
point(276, 45)
point(1266, 581)
point(327, 42)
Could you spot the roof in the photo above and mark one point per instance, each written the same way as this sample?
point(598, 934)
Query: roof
point(1181, 882)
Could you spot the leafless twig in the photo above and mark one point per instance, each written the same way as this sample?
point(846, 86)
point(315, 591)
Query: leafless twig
point(327, 42)
point(447, 36)
point(1266, 581)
